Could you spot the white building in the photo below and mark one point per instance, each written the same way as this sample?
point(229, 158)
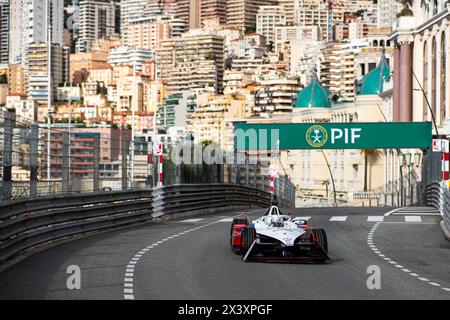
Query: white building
point(28, 23)
point(131, 10)
point(130, 56)
point(387, 12)
point(96, 21)
point(267, 18)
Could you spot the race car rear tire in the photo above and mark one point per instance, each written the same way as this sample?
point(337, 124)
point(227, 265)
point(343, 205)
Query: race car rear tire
point(248, 235)
point(321, 237)
point(239, 220)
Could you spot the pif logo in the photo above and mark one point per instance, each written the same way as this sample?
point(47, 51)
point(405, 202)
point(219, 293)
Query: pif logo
point(316, 136)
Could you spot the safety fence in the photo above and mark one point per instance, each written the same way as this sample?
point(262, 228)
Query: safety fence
point(25, 224)
point(438, 196)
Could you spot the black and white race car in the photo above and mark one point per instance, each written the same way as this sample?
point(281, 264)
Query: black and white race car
point(276, 236)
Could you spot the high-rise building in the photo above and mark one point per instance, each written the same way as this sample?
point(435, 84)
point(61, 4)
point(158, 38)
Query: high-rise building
point(147, 32)
point(16, 79)
point(387, 12)
point(195, 12)
point(214, 9)
point(37, 70)
point(29, 23)
point(242, 13)
point(96, 21)
point(130, 56)
point(289, 8)
point(193, 61)
point(315, 13)
point(4, 31)
point(130, 10)
point(267, 19)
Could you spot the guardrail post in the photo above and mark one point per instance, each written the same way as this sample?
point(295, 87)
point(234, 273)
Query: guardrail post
point(124, 163)
point(96, 177)
point(65, 162)
point(34, 143)
point(10, 118)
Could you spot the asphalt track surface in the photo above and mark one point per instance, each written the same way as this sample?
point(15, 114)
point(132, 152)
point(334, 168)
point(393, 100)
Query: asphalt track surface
point(199, 264)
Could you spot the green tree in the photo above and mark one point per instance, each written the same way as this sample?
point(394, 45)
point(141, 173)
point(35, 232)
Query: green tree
point(326, 183)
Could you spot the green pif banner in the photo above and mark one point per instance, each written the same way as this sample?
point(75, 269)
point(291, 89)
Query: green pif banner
point(369, 135)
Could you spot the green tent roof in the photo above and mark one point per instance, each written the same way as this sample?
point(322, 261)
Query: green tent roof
point(373, 82)
point(313, 96)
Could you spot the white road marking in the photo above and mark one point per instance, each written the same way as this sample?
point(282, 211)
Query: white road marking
point(338, 218)
point(434, 284)
point(398, 266)
point(129, 272)
point(192, 220)
point(413, 219)
point(391, 212)
point(226, 220)
point(375, 218)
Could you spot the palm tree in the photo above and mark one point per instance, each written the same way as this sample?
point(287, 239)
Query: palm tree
point(368, 153)
point(326, 183)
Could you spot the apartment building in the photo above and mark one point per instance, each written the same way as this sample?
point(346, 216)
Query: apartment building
point(315, 13)
point(193, 61)
point(387, 12)
point(134, 57)
point(16, 79)
point(96, 21)
point(267, 19)
point(147, 32)
point(275, 96)
point(28, 24)
point(242, 13)
point(287, 34)
point(4, 31)
point(208, 120)
point(37, 71)
point(82, 63)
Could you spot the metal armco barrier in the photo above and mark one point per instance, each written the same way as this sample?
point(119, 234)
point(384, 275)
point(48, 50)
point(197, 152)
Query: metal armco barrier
point(437, 196)
point(197, 197)
point(25, 224)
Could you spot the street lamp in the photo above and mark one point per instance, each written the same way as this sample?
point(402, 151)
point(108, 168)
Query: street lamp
point(408, 159)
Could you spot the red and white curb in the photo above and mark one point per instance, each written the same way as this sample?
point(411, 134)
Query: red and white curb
point(128, 285)
point(395, 264)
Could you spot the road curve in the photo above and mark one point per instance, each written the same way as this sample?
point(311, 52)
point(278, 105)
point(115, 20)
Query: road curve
point(190, 259)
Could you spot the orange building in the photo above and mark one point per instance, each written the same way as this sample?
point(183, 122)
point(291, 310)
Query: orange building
point(81, 65)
